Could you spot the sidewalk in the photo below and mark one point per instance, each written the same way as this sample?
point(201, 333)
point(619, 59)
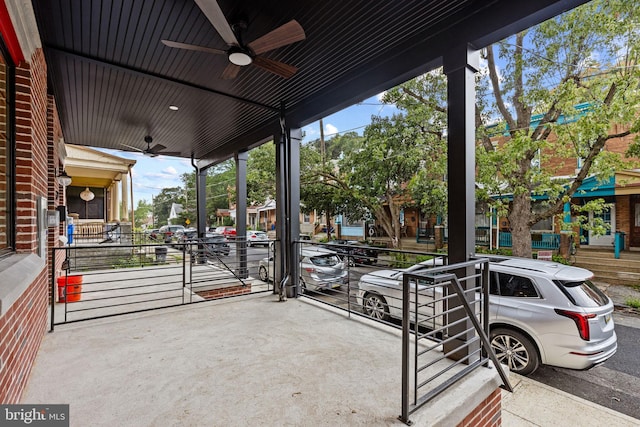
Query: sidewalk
point(535, 404)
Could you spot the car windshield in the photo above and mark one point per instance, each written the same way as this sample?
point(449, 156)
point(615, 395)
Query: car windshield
point(583, 293)
point(325, 260)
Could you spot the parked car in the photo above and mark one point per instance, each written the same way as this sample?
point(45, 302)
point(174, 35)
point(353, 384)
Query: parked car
point(227, 231)
point(353, 251)
point(215, 245)
point(540, 312)
point(188, 235)
point(168, 232)
point(320, 268)
point(255, 238)
point(305, 236)
point(154, 234)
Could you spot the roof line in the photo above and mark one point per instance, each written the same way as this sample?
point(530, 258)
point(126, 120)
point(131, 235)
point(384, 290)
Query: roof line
point(144, 73)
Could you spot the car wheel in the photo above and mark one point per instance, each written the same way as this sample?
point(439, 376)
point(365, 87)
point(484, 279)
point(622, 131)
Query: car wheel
point(351, 261)
point(262, 272)
point(248, 244)
point(515, 350)
point(376, 306)
point(303, 287)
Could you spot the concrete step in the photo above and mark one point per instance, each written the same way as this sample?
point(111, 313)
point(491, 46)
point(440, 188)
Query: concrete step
point(606, 268)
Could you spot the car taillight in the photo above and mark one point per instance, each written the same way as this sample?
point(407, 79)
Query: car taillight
point(310, 269)
point(581, 319)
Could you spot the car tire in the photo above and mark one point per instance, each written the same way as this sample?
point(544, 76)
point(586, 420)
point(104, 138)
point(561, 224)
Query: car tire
point(515, 350)
point(262, 272)
point(376, 306)
point(351, 262)
point(248, 244)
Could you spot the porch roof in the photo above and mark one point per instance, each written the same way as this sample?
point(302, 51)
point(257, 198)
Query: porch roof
point(92, 168)
point(114, 80)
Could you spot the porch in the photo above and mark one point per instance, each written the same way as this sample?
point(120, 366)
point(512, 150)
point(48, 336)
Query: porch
point(240, 361)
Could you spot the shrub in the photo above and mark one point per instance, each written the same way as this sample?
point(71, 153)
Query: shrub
point(633, 302)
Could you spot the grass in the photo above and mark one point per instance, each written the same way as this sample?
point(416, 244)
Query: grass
point(633, 302)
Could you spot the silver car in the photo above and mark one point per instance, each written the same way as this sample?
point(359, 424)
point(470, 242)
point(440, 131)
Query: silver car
point(255, 238)
point(540, 312)
point(320, 268)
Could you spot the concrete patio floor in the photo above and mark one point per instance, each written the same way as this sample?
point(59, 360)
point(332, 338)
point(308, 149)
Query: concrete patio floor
point(241, 361)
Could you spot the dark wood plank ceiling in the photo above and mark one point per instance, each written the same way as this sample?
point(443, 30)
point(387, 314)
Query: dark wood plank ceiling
point(114, 80)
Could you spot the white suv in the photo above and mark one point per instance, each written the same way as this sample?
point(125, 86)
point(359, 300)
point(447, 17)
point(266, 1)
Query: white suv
point(539, 312)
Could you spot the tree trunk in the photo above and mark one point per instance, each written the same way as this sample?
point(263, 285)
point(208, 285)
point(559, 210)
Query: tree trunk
point(390, 223)
point(520, 228)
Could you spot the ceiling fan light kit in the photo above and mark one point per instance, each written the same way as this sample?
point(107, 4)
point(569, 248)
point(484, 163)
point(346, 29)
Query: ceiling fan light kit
point(240, 54)
point(239, 57)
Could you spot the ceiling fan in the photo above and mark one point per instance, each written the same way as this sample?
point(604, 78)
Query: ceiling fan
point(241, 54)
point(154, 151)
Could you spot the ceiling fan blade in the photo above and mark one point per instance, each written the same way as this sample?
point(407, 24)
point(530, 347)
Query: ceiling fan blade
point(275, 67)
point(288, 33)
point(156, 148)
point(230, 71)
point(186, 46)
point(214, 14)
point(133, 148)
point(169, 153)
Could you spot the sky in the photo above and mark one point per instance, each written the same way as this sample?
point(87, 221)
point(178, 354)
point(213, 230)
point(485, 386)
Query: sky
point(152, 174)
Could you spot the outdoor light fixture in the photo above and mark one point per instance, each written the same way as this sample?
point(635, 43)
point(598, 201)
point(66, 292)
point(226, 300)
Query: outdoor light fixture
point(64, 179)
point(87, 195)
point(239, 57)
point(173, 107)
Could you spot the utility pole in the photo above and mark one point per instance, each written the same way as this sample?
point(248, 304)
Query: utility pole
point(323, 156)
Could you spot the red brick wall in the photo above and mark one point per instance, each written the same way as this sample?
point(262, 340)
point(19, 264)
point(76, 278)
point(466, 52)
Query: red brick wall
point(225, 292)
point(487, 413)
point(56, 193)
point(24, 324)
point(21, 330)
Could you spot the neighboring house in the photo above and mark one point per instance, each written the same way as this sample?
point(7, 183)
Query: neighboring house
point(622, 191)
point(106, 176)
point(176, 210)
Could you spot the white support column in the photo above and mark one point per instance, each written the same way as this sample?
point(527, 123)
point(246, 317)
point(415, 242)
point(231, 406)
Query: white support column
point(115, 201)
point(124, 185)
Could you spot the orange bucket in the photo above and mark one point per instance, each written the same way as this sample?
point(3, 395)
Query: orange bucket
point(73, 289)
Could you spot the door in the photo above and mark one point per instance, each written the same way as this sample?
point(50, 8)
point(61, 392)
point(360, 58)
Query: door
point(634, 237)
point(609, 218)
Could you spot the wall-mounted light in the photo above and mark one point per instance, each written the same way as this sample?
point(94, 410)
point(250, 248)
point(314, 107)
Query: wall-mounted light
point(64, 179)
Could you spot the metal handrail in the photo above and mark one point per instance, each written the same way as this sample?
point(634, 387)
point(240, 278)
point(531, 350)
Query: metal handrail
point(443, 277)
point(130, 278)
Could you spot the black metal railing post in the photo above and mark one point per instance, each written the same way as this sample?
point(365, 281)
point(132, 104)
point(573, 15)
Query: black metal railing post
point(53, 288)
point(406, 365)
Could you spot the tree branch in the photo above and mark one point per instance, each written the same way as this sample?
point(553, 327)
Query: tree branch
point(495, 83)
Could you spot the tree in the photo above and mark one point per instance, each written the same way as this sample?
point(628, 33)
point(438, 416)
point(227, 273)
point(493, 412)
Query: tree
point(371, 178)
point(316, 193)
point(578, 75)
point(163, 202)
point(142, 213)
point(261, 173)
point(423, 101)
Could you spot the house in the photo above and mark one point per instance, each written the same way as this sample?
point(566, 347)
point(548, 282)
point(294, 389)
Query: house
point(60, 81)
point(101, 189)
point(176, 210)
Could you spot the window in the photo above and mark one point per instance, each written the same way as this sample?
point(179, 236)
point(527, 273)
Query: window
point(7, 154)
point(516, 286)
point(545, 224)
